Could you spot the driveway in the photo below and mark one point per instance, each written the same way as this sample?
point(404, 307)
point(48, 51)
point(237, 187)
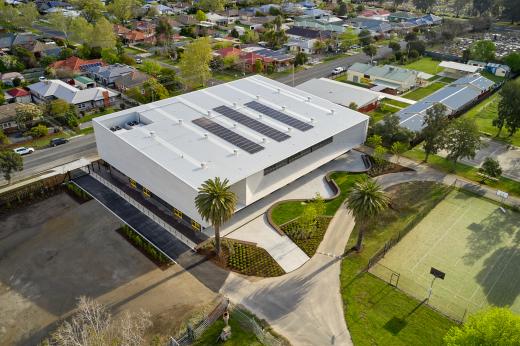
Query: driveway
point(57, 250)
point(508, 156)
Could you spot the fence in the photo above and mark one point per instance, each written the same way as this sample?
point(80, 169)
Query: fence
point(247, 322)
point(437, 296)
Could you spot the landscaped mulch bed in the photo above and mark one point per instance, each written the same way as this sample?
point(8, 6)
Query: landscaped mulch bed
point(244, 258)
point(309, 244)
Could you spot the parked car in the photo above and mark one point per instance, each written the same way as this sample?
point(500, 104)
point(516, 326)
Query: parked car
point(338, 70)
point(138, 60)
point(58, 141)
point(23, 150)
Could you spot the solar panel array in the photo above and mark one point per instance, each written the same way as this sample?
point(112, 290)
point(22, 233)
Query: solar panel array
point(277, 115)
point(86, 67)
point(251, 123)
point(228, 135)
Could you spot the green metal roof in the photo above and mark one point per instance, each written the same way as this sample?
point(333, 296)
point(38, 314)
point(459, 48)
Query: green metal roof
point(83, 80)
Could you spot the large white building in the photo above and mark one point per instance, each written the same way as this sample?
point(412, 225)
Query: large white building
point(256, 132)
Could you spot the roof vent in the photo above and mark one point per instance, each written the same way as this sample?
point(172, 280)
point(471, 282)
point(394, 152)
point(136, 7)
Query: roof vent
point(235, 104)
point(308, 99)
point(205, 136)
point(278, 90)
point(289, 129)
point(258, 97)
point(180, 121)
point(235, 152)
point(209, 113)
point(203, 165)
point(312, 120)
point(264, 140)
point(283, 108)
point(152, 133)
point(259, 116)
point(332, 112)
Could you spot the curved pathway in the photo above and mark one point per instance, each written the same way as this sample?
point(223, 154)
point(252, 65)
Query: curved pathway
point(305, 305)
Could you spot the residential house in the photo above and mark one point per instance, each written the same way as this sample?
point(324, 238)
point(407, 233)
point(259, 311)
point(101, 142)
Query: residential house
point(342, 93)
point(8, 118)
point(131, 80)
point(7, 41)
point(454, 69)
point(375, 13)
point(161, 9)
point(311, 23)
point(8, 79)
point(107, 75)
point(390, 78)
point(498, 70)
point(248, 56)
point(53, 6)
point(218, 19)
point(376, 27)
point(401, 16)
point(427, 20)
point(84, 100)
point(75, 65)
point(186, 20)
point(17, 95)
point(457, 97)
point(136, 36)
point(304, 39)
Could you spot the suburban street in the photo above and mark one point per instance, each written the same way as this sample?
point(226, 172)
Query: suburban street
point(85, 146)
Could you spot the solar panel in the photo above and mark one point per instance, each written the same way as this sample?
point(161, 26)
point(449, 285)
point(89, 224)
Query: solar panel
point(277, 115)
point(228, 135)
point(253, 124)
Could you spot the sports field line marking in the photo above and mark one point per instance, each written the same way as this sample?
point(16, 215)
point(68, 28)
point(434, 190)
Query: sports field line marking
point(441, 238)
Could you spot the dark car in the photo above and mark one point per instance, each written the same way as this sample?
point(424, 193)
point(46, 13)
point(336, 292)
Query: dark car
point(58, 141)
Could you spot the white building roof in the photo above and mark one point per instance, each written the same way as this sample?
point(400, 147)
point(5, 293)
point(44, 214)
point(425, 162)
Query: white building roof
point(460, 67)
point(338, 92)
point(67, 92)
point(167, 134)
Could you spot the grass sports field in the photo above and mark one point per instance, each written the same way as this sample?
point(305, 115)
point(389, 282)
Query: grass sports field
point(470, 239)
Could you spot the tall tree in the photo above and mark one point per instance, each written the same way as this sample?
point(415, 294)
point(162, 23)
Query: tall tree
point(366, 201)
point(511, 10)
point(424, 5)
point(513, 61)
point(212, 5)
point(103, 35)
point(216, 204)
point(10, 162)
point(27, 14)
point(398, 3)
point(123, 10)
point(348, 38)
point(81, 30)
point(25, 113)
point(483, 50)
point(342, 9)
point(164, 31)
point(370, 51)
point(365, 37)
point(200, 15)
point(90, 9)
point(509, 108)
point(462, 140)
point(482, 6)
point(433, 132)
point(61, 23)
point(398, 148)
point(7, 14)
point(494, 326)
point(153, 90)
point(194, 64)
point(458, 6)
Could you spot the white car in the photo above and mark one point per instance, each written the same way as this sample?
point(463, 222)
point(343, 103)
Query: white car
point(338, 70)
point(24, 150)
point(138, 60)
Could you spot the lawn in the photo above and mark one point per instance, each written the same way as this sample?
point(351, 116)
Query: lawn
point(377, 313)
point(239, 335)
point(91, 116)
point(492, 77)
point(421, 93)
point(379, 113)
point(468, 172)
point(425, 64)
point(484, 113)
point(474, 242)
point(395, 103)
point(287, 211)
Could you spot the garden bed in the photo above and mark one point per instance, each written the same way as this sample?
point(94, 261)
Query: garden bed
point(145, 247)
point(244, 258)
point(310, 242)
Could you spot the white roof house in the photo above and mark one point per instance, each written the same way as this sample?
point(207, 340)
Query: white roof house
point(61, 90)
point(257, 133)
point(341, 93)
point(457, 69)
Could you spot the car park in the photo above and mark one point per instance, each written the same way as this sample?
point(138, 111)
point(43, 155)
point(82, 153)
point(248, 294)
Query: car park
point(58, 141)
point(23, 150)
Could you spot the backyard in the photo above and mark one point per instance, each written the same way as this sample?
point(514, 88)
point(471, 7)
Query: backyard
point(422, 92)
point(425, 64)
point(376, 312)
point(470, 239)
point(484, 113)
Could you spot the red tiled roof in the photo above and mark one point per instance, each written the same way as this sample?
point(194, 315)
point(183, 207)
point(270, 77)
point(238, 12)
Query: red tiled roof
point(135, 35)
point(120, 29)
point(374, 12)
point(74, 63)
point(224, 52)
point(18, 92)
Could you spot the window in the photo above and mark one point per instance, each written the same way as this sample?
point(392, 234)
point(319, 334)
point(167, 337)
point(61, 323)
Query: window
point(133, 183)
point(146, 192)
point(177, 213)
point(195, 225)
point(296, 156)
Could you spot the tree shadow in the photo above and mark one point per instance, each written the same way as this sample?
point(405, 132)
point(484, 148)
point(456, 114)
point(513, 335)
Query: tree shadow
point(500, 276)
point(396, 324)
point(489, 233)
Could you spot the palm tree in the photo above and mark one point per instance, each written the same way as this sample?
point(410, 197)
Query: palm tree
point(366, 200)
point(216, 204)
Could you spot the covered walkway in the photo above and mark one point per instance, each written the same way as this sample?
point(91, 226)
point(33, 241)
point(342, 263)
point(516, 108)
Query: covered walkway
point(158, 236)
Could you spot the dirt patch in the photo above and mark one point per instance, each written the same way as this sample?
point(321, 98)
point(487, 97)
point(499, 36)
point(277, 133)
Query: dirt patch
point(57, 250)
